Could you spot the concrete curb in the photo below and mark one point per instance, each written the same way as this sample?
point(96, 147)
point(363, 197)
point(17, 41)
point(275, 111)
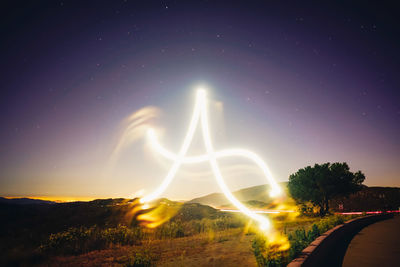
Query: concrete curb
point(329, 248)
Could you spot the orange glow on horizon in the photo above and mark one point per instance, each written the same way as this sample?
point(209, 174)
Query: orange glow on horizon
point(60, 199)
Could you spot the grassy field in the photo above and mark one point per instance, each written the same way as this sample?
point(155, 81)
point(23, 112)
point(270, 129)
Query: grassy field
point(104, 233)
point(224, 248)
point(230, 247)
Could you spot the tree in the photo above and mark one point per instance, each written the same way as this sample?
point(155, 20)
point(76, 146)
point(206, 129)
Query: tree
point(321, 183)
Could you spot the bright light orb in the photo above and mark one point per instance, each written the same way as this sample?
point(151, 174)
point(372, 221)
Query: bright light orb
point(200, 117)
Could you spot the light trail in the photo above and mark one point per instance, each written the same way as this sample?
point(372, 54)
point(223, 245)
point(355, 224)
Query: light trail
point(367, 212)
point(200, 116)
point(261, 211)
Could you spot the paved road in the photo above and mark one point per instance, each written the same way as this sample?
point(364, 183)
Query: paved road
point(376, 245)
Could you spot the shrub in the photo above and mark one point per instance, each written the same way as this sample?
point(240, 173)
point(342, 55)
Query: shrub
point(170, 230)
point(141, 259)
point(269, 255)
point(329, 222)
point(259, 249)
point(82, 240)
point(298, 241)
point(177, 228)
point(313, 233)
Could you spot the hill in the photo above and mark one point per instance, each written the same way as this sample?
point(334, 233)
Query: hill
point(369, 199)
point(256, 194)
point(24, 201)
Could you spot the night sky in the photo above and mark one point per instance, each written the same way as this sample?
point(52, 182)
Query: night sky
point(298, 83)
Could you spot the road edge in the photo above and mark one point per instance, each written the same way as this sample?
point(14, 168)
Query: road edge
point(329, 248)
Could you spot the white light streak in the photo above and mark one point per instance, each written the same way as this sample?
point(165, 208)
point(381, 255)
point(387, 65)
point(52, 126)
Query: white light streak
point(261, 211)
point(200, 114)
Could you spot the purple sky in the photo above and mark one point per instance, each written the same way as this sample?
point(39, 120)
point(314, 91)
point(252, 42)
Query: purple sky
point(300, 84)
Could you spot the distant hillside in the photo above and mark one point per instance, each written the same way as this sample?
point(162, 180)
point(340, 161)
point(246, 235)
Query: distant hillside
point(254, 194)
point(24, 201)
point(46, 219)
point(369, 199)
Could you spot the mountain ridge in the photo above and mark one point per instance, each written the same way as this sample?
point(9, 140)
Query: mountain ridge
point(25, 201)
point(259, 193)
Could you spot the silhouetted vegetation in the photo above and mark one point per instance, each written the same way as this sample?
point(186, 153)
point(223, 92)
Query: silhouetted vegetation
point(369, 199)
point(319, 184)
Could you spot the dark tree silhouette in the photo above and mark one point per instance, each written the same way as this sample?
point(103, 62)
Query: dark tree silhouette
point(321, 183)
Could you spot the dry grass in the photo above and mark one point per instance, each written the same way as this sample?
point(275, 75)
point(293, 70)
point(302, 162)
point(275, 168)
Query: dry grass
point(225, 248)
point(230, 247)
